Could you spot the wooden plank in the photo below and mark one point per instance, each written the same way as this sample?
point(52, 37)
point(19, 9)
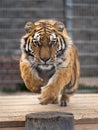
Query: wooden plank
point(77, 127)
point(86, 127)
point(13, 128)
point(10, 124)
point(14, 108)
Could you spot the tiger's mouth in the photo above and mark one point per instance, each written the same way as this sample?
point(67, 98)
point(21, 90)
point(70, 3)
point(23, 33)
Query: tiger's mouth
point(45, 66)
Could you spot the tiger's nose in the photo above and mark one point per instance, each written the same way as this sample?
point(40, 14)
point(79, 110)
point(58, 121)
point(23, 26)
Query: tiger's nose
point(45, 59)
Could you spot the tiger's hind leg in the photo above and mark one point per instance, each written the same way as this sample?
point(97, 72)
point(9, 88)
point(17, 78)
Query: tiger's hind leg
point(64, 100)
point(65, 97)
point(66, 93)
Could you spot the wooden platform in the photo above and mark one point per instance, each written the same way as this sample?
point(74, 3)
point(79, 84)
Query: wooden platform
point(14, 108)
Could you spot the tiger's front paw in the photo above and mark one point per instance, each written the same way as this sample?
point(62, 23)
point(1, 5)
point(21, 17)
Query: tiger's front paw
point(48, 96)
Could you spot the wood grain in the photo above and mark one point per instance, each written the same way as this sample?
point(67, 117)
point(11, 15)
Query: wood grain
point(14, 108)
point(49, 121)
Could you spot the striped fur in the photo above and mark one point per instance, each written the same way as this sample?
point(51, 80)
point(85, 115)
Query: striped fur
point(49, 62)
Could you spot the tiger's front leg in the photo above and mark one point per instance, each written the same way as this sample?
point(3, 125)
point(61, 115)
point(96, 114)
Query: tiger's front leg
point(31, 79)
point(51, 91)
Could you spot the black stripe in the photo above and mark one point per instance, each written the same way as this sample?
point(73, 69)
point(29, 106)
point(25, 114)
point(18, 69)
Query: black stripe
point(62, 41)
point(29, 52)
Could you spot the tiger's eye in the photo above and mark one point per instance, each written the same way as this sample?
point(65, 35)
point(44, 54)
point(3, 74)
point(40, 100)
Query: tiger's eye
point(35, 42)
point(53, 42)
point(53, 39)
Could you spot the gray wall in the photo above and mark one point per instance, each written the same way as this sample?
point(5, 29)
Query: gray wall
point(13, 16)
point(79, 16)
point(82, 24)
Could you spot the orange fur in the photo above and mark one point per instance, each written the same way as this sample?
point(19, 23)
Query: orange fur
point(63, 77)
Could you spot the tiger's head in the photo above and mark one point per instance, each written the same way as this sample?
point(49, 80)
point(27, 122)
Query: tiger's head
point(45, 43)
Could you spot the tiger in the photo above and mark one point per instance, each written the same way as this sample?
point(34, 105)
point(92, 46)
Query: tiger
point(49, 62)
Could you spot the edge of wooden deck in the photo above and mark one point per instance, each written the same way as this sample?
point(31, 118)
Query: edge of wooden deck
point(14, 108)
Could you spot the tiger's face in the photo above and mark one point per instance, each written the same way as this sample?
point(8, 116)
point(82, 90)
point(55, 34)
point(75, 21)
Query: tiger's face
point(44, 45)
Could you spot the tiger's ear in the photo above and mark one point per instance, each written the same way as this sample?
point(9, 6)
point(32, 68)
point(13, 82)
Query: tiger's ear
point(59, 26)
point(29, 26)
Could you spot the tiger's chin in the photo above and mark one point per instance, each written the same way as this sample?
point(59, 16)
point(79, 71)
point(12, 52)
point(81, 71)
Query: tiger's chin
point(45, 67)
